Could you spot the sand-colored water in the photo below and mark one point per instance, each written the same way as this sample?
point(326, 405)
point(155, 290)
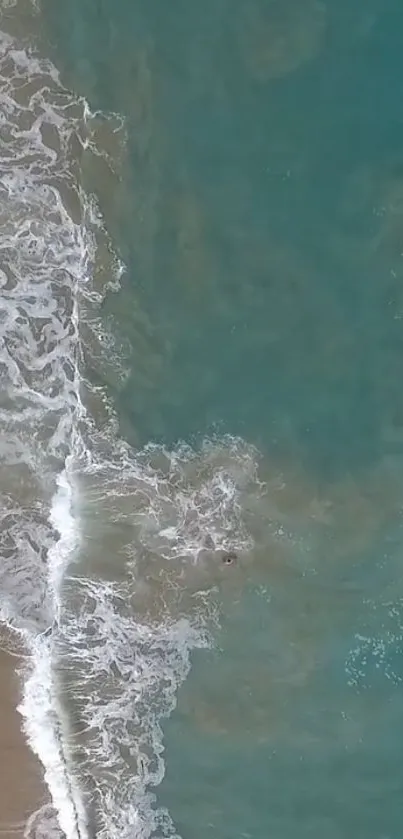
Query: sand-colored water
point(22, 789)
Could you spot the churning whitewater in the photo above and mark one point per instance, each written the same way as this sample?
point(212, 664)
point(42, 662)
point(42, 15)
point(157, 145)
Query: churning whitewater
point(45, 256)
point(111, 564)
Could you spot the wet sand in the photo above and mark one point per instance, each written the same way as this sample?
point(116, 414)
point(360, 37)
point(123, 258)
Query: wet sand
point(22, 789)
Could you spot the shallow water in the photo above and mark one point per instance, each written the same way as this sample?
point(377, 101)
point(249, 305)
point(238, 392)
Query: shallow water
point(232, 392)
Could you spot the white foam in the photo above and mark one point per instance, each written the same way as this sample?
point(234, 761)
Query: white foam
point(123, 676)
point(44, 719)
point(45, 256)
point(61, 554)
point(43, 824)
point(42, 724)
point(77, 492)
point(123, 652)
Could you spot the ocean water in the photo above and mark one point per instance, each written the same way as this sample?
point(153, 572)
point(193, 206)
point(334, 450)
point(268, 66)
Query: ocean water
point(201, 413)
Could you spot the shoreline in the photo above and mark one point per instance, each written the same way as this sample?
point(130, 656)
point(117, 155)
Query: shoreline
point(22, 789)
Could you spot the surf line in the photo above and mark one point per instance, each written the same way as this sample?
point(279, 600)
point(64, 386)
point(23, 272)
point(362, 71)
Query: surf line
point(59, 557)
point(45, 723)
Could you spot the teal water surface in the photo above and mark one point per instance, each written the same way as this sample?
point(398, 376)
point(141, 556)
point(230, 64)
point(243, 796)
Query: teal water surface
point(260, 218)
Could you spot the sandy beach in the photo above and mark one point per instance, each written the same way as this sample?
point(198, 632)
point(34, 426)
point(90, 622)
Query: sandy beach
point(21, 789)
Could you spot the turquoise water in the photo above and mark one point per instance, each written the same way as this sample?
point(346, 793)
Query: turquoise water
point(259, 214)
point(262, 220)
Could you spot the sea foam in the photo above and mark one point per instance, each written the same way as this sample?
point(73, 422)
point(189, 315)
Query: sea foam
point(111, 556)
